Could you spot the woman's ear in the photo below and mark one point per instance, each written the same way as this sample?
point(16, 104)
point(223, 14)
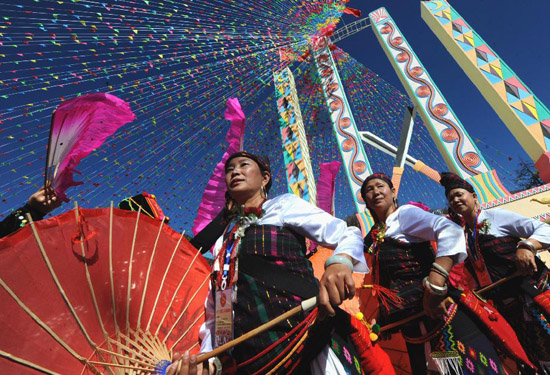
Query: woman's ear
point(267, 177)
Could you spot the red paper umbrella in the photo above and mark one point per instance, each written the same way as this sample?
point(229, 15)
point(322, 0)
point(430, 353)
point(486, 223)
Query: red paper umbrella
point(98, 291)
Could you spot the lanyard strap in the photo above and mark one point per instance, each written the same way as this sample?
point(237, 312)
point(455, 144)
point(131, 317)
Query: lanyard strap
point(474, 252)
point(226, 257)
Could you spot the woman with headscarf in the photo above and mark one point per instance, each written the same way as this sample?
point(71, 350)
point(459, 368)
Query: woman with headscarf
point(501, 244)
point(406, 268)
point(260, 271)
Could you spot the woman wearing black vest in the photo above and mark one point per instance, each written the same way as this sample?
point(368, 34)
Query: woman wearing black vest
point(502, 243)
point(260, 271)
point(405, 263)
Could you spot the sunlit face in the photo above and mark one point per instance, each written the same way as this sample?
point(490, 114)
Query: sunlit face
point(461, 201)
point(378, 195)
point(244, 178)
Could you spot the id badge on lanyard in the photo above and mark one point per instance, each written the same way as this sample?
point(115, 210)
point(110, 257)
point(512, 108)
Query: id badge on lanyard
point(223, 324)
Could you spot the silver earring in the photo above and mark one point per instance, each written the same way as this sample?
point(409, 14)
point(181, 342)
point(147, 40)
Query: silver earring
point(264, 191)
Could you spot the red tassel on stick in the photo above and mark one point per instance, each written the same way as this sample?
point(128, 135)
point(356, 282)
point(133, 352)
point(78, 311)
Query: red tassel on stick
point(386, 296)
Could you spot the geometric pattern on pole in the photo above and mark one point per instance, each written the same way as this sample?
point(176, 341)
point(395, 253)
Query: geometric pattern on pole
point(453, 142)
point(295, 148)
point(354, 159)
point(522, 112)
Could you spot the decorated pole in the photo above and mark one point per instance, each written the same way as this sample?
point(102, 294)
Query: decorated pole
point(295, 148)
point(517, 106)
point(459, 152)
point(355, 160)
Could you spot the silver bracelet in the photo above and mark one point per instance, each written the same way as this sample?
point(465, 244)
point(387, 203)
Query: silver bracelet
point(435, 289)
point(439, 269)
point(340, 260)
point(528, 244)
point(217, 366)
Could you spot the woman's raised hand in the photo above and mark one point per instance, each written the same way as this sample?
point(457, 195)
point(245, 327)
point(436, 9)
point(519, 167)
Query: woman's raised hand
point(44, 200)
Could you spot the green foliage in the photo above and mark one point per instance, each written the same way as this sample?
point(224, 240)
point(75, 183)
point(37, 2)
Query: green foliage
point(527, 176)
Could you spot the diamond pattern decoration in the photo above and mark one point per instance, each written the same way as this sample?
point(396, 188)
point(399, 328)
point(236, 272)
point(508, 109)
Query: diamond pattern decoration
point(481, 55)
point(526, 106)
point(520, 195)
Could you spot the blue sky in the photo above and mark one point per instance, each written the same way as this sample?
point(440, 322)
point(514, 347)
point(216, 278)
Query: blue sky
point(518, 32)
point(177, 138)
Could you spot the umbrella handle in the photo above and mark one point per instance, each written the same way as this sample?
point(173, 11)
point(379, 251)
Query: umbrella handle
point(422, 313)
point(304, 306)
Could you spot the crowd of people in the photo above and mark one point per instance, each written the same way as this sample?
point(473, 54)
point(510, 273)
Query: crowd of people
point(260, 271)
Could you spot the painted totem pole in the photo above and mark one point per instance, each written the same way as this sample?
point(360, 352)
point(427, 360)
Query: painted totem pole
point(459, 152)
point(295, 148)
point(354, 159)
point(522, 112)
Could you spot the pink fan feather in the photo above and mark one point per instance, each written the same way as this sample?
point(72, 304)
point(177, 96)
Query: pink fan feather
point(326, 185)
point(325, 190)
point(79, 126)
point(213, 198)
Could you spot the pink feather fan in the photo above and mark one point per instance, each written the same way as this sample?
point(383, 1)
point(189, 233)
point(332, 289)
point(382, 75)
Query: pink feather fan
point(79, 126)
point(213, 199)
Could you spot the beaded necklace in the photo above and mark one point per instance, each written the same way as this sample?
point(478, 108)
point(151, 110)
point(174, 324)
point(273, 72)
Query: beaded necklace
point(227, 256)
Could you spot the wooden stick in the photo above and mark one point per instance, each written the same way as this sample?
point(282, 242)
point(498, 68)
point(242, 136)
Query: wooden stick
point(148, 274)
point(130, 266)
point(129, 367)
point(183, 313)
point(497, 283)
point(189, 267)
point(304, 306)
point(422, 313)
point(24, 362)
point(407, 320)
point(162, 285)
point(111, 273)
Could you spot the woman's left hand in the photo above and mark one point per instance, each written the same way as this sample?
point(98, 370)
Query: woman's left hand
point(525, 261)
point(436, 307)
point(44, 200)
point(335, 286)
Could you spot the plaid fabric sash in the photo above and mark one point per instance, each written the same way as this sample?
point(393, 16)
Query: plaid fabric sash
point(401, 267)
point(259, 301)
point(498, 253)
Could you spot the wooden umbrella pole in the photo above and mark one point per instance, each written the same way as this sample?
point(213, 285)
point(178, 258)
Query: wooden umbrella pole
point(304, 306)
point(422, 313)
